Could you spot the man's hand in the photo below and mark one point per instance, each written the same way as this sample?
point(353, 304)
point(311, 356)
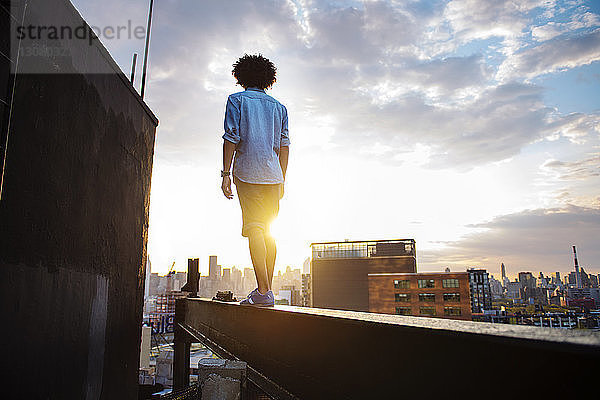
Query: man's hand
point(226, 187)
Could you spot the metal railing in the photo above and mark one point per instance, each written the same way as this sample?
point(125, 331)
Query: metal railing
point(364, 249)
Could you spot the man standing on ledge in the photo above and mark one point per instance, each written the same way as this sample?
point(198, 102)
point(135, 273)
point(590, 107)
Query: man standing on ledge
point(256, 131)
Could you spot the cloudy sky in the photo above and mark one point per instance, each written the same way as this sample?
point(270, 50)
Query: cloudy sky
point(472, 126)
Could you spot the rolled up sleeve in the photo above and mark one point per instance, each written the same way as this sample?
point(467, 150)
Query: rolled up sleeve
point(285, 135)
point(232, 122)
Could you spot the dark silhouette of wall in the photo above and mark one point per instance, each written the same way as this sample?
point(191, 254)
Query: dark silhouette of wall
point(73, 223)
point(342, 283)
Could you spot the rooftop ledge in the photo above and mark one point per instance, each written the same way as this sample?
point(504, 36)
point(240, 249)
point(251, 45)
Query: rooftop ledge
point(296, 352)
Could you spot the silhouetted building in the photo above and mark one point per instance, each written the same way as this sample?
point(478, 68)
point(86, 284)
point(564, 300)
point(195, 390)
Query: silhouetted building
point(306, 291)
point(339, 270)
point(535, 295)
point(527, 279)
point(429, 294)
point(496, 288)
point(292, 294)
point(513, 290)
point(481, 296)
point(214, 270)
point(504, 279)
point(556, 279)
point(227, 276)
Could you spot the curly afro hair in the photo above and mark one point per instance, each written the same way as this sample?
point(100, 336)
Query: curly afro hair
point(254, 71)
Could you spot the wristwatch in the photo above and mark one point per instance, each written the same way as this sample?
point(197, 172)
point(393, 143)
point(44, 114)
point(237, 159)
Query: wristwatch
point(225, 173)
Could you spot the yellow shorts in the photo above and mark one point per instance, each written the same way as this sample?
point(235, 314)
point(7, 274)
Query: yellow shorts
point(260, 205)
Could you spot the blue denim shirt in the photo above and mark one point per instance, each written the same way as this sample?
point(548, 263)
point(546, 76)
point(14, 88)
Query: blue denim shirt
point(258, 125)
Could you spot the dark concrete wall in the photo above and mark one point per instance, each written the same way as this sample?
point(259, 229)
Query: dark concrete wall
point(74, 224)
point(332, 354)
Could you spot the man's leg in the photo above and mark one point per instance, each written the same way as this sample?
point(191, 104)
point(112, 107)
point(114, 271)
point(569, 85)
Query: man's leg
point(258, 253)
point(271, 255)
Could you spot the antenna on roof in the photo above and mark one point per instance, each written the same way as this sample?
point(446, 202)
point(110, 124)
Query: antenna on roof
point(145, 67)
point(133, 65)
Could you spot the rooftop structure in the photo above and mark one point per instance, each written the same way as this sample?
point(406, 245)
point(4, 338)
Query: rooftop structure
point(339, 270)
point(364, 249)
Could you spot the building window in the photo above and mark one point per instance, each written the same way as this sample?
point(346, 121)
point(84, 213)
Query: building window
point(427, 311)
point(451, 311)
point(401, 284)
point(430, 297)
point(426, 283)
point(403, 311)
point(452, 297)
point(450, 283)
point(402, 297)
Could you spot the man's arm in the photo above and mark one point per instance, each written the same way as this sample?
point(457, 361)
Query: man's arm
point(284, 153)
point(228, 150)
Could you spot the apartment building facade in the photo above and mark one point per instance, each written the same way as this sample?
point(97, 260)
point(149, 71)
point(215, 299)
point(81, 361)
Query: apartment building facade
point(429, 294)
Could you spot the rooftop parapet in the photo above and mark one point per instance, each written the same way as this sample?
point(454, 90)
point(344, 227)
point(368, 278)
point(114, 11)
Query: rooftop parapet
point(309, 353)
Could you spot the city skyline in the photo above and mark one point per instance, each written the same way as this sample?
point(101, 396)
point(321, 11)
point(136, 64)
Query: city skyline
point(496, 274)
point(470, 126)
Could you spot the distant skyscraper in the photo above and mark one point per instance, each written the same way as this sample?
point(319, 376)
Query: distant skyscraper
point(249, 281)
point(227, 274)
point(236, 279)
point(213, 273)
point(503, 270)
point(557, 280)
point(527, 279)
point(577, 275)
point(306, 266)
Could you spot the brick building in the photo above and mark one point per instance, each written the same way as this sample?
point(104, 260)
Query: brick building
point(437, 294)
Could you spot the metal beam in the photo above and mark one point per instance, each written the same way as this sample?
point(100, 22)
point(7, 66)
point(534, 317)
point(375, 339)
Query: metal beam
point(317, 353)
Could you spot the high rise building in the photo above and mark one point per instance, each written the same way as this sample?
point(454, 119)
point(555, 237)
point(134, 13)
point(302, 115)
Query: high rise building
point(248, 281)
point(213, 273)
point(236, 279)
point(584, 279)
point(306, 266)
point(306, 291)
point(593, 281)
point(227, 275)
point(339, 270)
point(513, 290)
point(481, 295)
point(496, 288)
point(572, 279)
point(556, 279)
point(527, 279)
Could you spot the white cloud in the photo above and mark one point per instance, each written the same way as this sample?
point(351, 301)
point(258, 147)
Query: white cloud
point(534, 240)
point(579, 20)
point(481, 19)
point(552, 56)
